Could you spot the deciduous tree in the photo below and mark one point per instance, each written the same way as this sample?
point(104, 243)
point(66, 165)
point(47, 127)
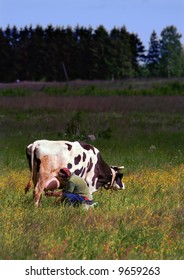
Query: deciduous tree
point(171, 52)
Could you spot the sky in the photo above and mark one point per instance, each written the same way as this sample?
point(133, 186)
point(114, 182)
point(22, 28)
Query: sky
point(138, 16)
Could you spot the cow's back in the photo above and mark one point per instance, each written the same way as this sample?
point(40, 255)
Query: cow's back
point(79, 157)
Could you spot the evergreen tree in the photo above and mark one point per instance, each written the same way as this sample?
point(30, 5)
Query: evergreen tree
point(120, 54)
point(138, 53)
point(69, 53)
point(25, 56)
point(10, 54)
point(15, 37)
point(171, 52)
point(153, 56)
point(37, 54)
point(99, 52)
point(50, 54)
point(56, 44)
point(83, 53)
point(5, 58)
point(84, 62)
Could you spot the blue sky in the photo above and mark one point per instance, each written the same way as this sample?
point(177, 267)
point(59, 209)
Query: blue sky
point(139, 16)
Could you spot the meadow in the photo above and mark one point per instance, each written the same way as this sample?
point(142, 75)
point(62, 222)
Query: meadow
point(143, 132)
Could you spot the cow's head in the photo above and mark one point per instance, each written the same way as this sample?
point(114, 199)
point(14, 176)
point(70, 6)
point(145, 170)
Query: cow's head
point(116, 179)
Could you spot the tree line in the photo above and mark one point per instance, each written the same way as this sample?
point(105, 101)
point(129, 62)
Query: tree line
point(60, 54)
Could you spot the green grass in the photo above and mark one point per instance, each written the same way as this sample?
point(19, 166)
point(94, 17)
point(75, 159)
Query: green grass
point(129, 87)
point(144, 221)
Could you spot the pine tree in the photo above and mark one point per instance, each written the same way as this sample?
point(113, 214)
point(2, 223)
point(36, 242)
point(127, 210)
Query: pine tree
point(153, 56)
point(25, 58)
point(99, 52)
point(5, 58)
point(138, 53)
point(83, 37)
point(120, 54)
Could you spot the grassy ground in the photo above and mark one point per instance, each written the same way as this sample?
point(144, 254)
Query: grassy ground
point(126, 87)
point(144, 221)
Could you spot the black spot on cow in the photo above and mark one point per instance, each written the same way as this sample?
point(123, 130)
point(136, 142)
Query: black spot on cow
point(87, 147)
point(69, 146)
point(77, 159)
point(69, 165)
point(38, 162)
point(102, 172)
point(84, 156)
point(78, 171)
point(90, 165)
point(83, 171)
point(28, 158)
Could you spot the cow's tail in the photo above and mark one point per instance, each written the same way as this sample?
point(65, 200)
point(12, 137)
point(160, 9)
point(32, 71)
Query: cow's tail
point(30, 157)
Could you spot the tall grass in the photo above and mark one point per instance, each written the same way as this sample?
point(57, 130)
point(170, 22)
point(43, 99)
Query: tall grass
point(144, 221)
point(96, 88)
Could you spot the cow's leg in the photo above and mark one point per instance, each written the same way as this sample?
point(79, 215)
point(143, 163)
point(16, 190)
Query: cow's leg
point(40, 182)
point(28, 186)
point(43, 182)
point(38, 192)
point(37, 198)
point(33, 177)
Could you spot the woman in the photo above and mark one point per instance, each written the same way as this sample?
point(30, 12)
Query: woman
point(75, 190)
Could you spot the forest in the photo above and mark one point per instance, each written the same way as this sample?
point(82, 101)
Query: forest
point(63, 54)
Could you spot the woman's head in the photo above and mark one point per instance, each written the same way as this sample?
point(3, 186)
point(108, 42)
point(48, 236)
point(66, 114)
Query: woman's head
point(64, 173)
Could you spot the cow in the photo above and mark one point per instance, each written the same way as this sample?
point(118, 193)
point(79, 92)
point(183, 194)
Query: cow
point(47, 157)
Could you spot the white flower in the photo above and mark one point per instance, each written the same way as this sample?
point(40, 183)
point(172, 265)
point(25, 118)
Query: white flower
point(152, 148)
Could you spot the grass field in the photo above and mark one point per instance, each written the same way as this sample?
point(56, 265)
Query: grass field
point(143, 133)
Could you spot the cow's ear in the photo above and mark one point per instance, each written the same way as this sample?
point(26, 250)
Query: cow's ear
point(121, 169)
point(118, 168)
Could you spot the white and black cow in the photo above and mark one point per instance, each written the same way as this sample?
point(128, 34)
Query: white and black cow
point(46, 158)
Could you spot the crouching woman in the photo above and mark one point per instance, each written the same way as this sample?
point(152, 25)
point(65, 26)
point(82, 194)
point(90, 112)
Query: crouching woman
point(75, 190)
